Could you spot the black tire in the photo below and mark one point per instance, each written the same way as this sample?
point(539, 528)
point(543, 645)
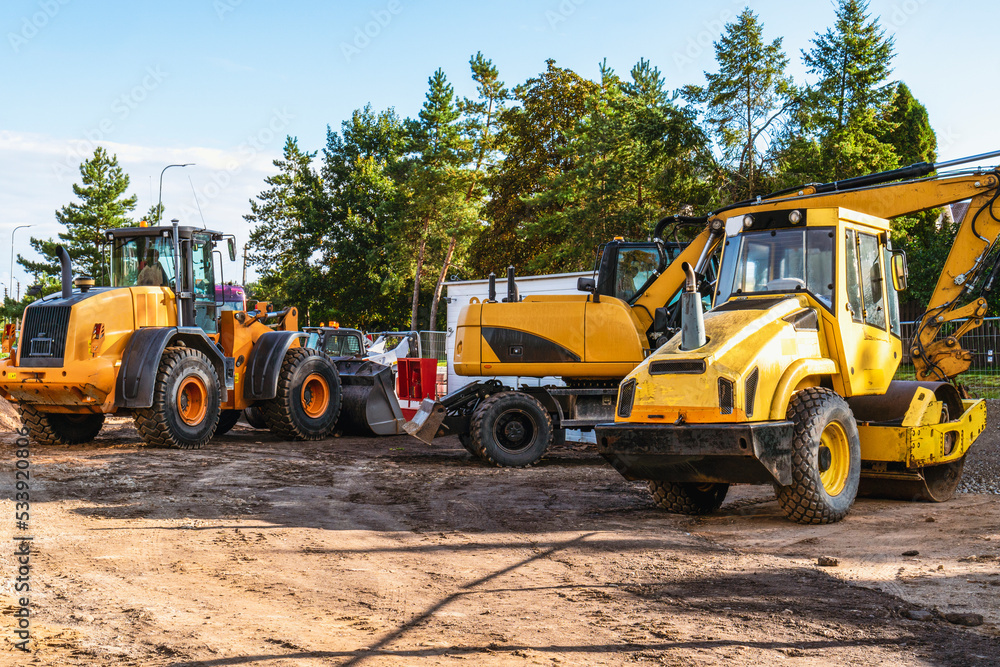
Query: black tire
point(255, 416)
point(511, 429)
point(185, 410)
point(466, 440)
point(51, 428)
point(227, 420)
point(823, 420)
point(307, 404)
point(688, 497)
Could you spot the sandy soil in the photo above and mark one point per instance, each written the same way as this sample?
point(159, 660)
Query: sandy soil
point(388, 552)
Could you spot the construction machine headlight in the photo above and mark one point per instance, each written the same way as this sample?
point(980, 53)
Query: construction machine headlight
point(747, 221)
point(795, 217)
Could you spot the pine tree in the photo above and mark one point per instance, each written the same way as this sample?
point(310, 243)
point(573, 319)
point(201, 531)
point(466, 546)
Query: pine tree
point(533, 135)
point(362, 171)
point(290, 221)
point(909, 129)
point(480, 128)
point(102, 205)
point(437, 179)
point(634, 157)
point(853, 61)
point(746, 102)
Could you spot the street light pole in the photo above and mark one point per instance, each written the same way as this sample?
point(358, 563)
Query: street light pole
point(11, 277)
point(244, 283)
point(159, 203)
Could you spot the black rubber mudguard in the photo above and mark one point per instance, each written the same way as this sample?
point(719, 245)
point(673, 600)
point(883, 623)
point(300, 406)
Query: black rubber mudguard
point(264, 364)
point(137, 374)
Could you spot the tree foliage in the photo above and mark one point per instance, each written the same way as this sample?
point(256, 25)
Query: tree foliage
point(102, 205)
point(745, 103)
point(846, 111)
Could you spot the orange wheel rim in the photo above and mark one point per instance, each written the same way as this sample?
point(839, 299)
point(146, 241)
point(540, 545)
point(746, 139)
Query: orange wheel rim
point(192, 400)
point(315, 395)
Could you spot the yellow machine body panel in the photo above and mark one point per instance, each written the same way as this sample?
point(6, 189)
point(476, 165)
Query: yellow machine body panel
point(759, 341)
point(918, 445)
point(99, 329)
point(549, 335)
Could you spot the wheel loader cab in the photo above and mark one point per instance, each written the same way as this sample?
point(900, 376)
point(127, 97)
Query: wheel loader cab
point(145, 256)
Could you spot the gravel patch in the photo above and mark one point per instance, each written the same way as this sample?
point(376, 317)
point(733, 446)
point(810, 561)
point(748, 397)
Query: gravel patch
point(982, 463)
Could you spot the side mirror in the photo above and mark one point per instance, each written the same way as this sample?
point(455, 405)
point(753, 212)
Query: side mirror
point(231, 243)
point(660, 319)
point(900, 273)
point(586, 285)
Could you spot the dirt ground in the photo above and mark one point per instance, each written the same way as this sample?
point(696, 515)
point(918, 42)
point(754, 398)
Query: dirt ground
point(385, 551)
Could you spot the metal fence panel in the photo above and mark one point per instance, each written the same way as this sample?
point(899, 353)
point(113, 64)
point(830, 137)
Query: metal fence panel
point(983, 377)
point(434, 345)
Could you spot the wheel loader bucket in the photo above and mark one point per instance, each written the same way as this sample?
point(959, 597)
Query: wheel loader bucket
point(369, 404)
point(425, 424)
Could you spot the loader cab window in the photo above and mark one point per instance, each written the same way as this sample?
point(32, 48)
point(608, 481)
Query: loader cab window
point(205, 315)
point(636, 268)
point(343, 345)
point(779, 260)
point(142, 261)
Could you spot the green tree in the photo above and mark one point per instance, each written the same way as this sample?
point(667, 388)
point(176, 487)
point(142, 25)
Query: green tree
point(533, 135)
point(634, 157)
point(102, 205)
point(436, 182)
point(746, 103)
point(909, 130)
point(290, 221)
point(853, 62)
point(362, 169)
point(480, 118)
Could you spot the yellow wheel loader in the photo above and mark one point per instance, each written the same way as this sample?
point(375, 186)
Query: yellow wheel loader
point(154, 344)
point(590, 340)
point(788, 379)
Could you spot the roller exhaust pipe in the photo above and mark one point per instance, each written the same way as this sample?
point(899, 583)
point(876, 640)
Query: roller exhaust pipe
point(692, 317)
point(67, 272)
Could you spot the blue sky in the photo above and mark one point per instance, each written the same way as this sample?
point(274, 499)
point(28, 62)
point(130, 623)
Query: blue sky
point(221, 82)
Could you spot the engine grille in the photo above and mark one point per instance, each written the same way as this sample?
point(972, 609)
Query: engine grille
point(626, 395)
point(43, 343)
point(726, 396)
point(751, 390)
point(669, 366)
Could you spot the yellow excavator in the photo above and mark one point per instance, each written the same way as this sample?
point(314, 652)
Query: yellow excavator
point(155, 345)
point(788, 380)
point(589, 340)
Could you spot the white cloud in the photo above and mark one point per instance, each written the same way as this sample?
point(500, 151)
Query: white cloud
point(38, 173)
